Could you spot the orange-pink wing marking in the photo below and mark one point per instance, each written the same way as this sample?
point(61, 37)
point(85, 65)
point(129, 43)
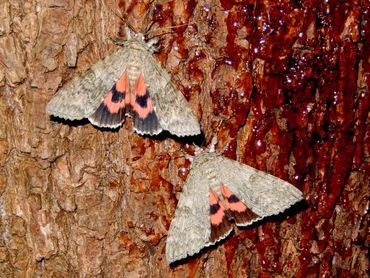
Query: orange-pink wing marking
point(142, 104)
point(220, 225)
point(240, 212)
point(111, 112)
point(145, 118)
point(119, 95)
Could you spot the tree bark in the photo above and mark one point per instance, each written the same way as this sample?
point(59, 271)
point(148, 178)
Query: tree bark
point(284, 85)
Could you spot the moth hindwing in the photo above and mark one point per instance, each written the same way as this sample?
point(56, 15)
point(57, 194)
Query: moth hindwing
point(216, 190)
point(129, 82)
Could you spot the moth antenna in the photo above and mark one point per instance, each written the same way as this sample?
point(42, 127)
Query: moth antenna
point(184, 154)
point(118, 13)
point(167, 27)
point(128, 27)
point(151, 41)
point(149, 27)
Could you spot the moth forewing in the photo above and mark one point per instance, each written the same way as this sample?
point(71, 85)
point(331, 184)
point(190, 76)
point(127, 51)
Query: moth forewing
point(190, 228)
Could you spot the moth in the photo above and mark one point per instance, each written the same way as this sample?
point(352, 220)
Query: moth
point(217, 190)
point(129, 82)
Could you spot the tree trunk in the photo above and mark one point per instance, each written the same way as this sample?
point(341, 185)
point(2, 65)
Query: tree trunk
point(284, 85)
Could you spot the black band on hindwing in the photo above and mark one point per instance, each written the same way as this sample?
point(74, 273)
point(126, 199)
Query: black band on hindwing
point(142, 100)
point(214, 208)
point(117, 96)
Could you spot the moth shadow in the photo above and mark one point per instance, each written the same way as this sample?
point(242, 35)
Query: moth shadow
point(196, 140)
point(82, 122)
point(278, 218)
point(107, 129)
point(73, 123)
point(201, 252)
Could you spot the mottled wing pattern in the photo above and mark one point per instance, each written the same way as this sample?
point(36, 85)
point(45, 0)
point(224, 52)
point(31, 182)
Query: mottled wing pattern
point(261, 193)
point(190, 228)
point(81, 97)
point(173, 111)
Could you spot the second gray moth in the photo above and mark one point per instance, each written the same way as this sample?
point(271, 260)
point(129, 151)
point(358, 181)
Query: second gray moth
point(217, 190)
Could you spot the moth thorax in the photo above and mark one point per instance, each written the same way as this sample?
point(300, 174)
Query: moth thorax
point(216, 187)
point(204, 158)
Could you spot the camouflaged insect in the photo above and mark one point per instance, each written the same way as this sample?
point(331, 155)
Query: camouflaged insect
point(217, 190)
point(141, 89)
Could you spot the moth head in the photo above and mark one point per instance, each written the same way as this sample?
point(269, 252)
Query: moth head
point(153, 40)
point(210, 149)
point(198, 150)
point(139, 40)
point(131, 35)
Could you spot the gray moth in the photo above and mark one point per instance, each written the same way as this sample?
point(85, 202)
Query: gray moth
point(219, 189)
point(129, 82)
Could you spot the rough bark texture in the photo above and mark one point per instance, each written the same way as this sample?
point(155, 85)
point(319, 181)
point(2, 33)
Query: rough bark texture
point(284, 84)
